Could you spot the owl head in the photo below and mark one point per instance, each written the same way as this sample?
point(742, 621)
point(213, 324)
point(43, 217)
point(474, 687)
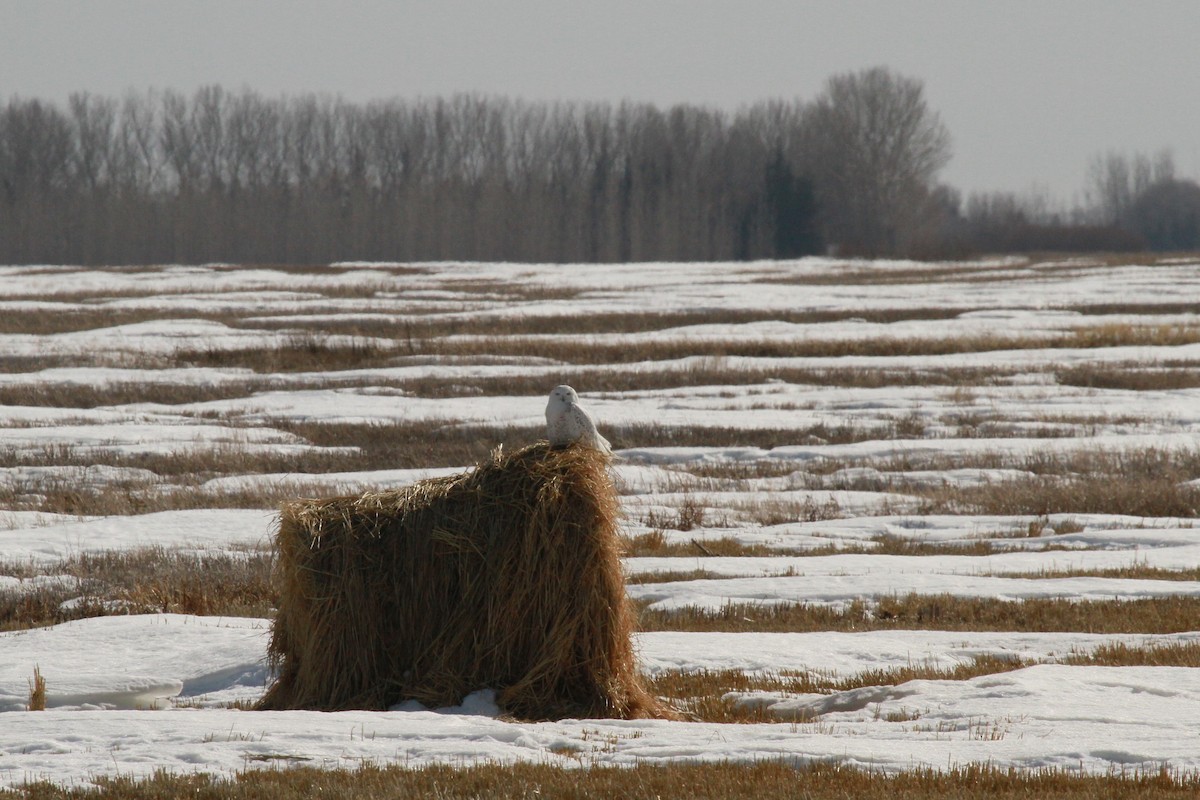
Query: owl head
point(564, 394)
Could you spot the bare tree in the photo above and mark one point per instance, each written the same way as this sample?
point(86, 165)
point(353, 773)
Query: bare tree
point(234, 176)
point(1115, 181)
point(94, 120)
point(872, 145)
point(36, 180)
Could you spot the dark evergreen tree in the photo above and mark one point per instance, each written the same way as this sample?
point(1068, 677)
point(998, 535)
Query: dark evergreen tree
point(792, 210)
point(1167, 215)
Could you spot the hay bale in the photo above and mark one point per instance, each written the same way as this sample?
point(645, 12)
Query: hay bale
point(505, 577)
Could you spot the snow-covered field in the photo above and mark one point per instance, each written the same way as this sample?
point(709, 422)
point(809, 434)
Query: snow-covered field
point(855, 404)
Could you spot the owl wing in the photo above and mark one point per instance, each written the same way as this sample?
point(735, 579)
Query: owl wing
point(585, 428)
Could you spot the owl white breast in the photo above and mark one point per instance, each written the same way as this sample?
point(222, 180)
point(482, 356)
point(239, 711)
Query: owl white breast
point(568, 422)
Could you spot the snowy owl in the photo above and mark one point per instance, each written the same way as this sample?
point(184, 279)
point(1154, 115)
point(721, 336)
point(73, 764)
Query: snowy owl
point(567, 421)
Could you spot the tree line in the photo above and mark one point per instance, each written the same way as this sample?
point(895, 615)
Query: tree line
point(217, 175)
point(1132, 202)
point(236, 176)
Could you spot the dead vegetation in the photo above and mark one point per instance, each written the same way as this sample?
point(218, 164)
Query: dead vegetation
point(1130, 377)
point(34, 391)
point(713, 695)
point(1137, 572)
point(765, 780)
point(1173, 614)
point(429, 592)
point(83, 396)
point(684, 686)
point(1140, 495)
point(142, 581)
point(37, 691)
point(655, 543)
point(298, 352)
point(309, 352)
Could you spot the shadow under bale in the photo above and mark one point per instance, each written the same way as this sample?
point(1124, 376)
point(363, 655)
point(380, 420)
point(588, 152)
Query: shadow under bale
point(505, 577)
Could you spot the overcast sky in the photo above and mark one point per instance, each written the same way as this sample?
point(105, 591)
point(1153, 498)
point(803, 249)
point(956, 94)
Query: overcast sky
point(1029, 90)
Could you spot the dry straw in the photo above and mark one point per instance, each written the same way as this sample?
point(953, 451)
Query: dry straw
point(37, 691)
point(505, 577)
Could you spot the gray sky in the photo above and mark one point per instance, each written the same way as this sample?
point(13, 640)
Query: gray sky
point(1030, 90)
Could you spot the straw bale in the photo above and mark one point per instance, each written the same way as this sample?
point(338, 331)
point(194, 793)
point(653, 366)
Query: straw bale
point(505, 577)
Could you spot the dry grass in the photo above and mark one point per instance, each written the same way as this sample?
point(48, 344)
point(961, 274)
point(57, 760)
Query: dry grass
point(672, 576)
point(1181, 654)
point(1146, 483)
point(767, 780)
point(315, 279)
point(408, 445)
point(1124, 334)
point(655, 543)
point(448, 443)
point(939, 612)
point(142, 581)
point(863, 273)
point(507, 576)
point(37, 690)
point(700, 694)
point(1134, 308)
point(1143, 463)
point(702, 372)
point(779, 512)
point(1134, 377)
point(419, 328)
point(681, 686)
point(711, 695)
point(199, 463)
point(599, 378)
point(594, 351)
point(64, 395)
point(303, 352)
point(11, 364)
point(1140, 572)
point(688, 515)
point(72, 318)
point(587, 361)
point(1140, 496)
point(145, 497)
point(891, 545)
point(239, 584)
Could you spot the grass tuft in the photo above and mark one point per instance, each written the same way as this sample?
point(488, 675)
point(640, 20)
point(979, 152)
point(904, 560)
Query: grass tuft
point(37, 691)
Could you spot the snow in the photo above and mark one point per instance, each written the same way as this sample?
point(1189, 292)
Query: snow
point(132, 694)
point(846, 654)
point(840, 590)
point(1141, 536)
point(1073, 718)
point(768, 406)
point(329, 482)
point(869, 566)
point(132, 662)
point(100, 719)
point(150, 438)
point(199, 529)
